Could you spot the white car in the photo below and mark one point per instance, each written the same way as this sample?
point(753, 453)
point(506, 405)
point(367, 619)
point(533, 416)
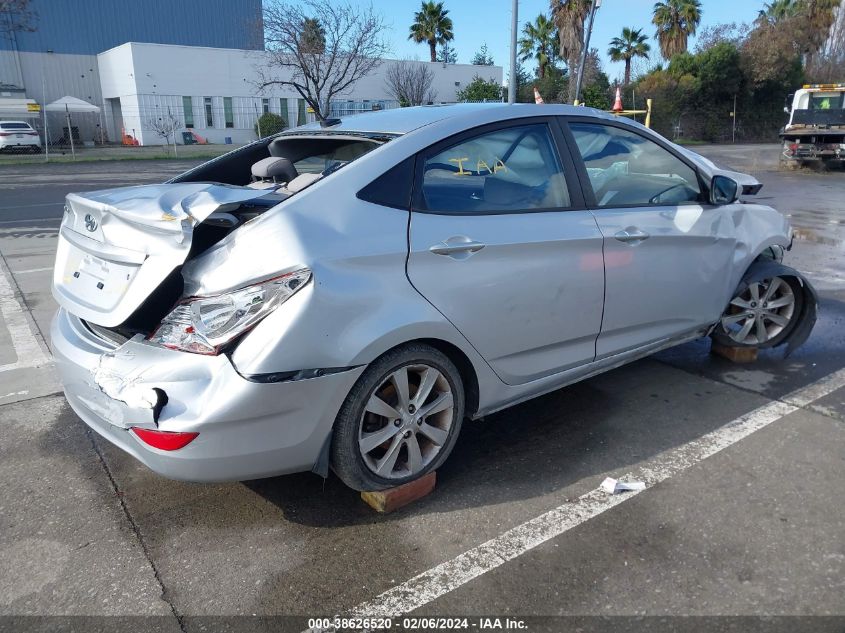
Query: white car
point(19, 135)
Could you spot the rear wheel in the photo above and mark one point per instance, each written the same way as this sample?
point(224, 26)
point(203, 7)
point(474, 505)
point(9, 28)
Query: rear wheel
point(762, 315)
point(400, 420)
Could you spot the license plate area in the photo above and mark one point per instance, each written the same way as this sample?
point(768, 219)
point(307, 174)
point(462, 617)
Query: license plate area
point(94, 281)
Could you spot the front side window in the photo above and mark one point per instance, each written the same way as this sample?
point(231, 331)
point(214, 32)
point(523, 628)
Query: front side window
point(625, 168)
point(188, 111)
point(209, 113)
point(228, 113)
point(508, 170)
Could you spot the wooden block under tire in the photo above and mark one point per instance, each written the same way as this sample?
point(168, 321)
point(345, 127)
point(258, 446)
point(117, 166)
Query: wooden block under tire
point(735, 354)
point(385, 501)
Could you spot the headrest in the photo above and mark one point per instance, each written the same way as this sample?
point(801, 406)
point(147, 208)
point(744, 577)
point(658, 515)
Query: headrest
point(302, 181)
point(277, 169)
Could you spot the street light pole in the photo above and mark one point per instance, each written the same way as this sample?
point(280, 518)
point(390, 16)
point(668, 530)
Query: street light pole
point(593, 7)
point(514, 27)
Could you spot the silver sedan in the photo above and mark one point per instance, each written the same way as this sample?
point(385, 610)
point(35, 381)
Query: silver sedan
point(344, 295)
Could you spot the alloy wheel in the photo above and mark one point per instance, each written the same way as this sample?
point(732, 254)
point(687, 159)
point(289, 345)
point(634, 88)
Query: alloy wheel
point(406, 421)
point(760, 313)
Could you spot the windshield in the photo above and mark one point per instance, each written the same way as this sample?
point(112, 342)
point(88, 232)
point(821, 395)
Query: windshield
point(337, 156)
point(15, 126)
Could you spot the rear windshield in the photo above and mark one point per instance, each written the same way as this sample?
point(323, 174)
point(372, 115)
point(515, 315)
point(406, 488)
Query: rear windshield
point(15, 126)
point(826, 101)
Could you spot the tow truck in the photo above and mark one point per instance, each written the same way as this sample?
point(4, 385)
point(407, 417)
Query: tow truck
point(816, 128)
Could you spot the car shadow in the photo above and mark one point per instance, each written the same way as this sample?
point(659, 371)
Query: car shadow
point(602, 425)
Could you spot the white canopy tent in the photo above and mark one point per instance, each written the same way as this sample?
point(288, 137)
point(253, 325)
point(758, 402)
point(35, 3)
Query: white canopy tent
point(69, 105)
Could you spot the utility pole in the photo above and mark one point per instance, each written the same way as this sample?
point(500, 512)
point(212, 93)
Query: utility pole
point(44, 113)
point(514, 27)
point(733, 125)
point(593, 7)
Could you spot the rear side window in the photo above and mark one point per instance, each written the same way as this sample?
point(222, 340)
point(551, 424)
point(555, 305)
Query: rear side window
point(15, 126)
point(393, 187)
point(625, 168)
point(508, 170)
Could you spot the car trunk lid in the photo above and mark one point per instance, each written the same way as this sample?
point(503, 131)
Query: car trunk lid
point(116, 246)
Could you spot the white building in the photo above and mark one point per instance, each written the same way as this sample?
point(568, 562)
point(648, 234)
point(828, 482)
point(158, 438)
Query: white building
point(213, 91)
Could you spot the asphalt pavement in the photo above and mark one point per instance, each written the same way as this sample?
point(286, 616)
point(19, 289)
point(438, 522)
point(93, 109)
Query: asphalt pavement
point(743, 514)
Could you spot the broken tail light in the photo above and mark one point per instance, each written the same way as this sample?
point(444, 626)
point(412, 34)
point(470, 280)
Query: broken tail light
point(202, 325)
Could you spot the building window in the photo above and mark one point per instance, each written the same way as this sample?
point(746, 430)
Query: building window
point(227, 112)
point(283, 108)
point(300, 119)
point(265, 106)
point(188, 112)
point(209, 113)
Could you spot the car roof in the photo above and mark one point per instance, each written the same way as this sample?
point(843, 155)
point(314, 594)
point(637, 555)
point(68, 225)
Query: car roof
point(404, 120)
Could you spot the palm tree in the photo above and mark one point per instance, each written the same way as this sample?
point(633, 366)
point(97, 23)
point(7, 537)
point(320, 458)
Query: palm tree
point(432, 26)
point(774, 12)
point(632, 44)
point(538, 41)
point(675, 20)
point(569, 17)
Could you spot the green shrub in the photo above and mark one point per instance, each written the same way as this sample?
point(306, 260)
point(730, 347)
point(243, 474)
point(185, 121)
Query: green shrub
point(269, 124)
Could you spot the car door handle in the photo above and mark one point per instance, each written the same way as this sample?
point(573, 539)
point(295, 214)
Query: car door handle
point(631, 234)
point(457, 246)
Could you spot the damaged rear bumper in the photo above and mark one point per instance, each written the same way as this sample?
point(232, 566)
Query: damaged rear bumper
point(247, 430)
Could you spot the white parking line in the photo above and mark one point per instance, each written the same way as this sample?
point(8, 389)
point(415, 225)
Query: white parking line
point(448, 576)
point(28, 206)
point(26, 346)
point(24, 221)
point(31, 270)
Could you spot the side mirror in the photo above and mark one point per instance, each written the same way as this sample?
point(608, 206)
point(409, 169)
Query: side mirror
point(723, 190)
point(786, 109)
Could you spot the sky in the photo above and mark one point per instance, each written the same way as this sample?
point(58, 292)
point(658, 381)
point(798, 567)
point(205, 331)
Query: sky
point(477, 21)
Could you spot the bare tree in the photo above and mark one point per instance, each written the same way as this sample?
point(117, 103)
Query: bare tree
point(15, 16)
point(165, 126)
point(320, 49)
point(410, 82)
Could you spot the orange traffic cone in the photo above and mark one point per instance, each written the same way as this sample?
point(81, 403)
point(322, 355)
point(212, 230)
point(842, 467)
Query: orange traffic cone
point(537, 98)
point(617, 105)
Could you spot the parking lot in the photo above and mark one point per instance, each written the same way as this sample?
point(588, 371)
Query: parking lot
point(742, 514)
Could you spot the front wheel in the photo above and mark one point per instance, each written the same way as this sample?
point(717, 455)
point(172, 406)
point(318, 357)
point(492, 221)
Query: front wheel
point(400, 420)
point(762, 315)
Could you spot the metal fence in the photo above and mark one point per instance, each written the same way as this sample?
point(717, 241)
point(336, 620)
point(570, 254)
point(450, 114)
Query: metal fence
point(349, 108)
